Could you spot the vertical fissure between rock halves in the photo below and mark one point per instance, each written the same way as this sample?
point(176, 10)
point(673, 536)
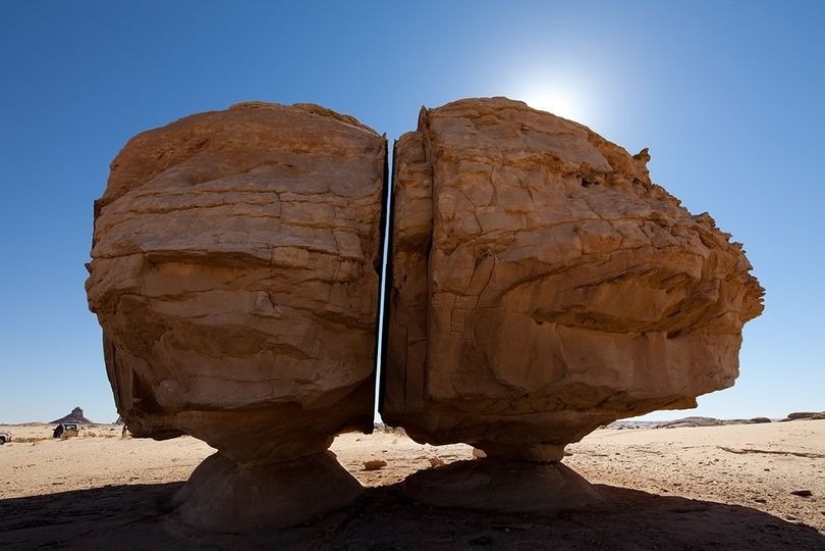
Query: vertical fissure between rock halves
point(382, 327)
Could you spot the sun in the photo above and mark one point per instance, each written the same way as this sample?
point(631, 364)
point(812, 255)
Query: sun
point(553, 102)
point(563, 96)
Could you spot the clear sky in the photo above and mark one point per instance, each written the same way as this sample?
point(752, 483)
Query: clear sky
point(728, 95)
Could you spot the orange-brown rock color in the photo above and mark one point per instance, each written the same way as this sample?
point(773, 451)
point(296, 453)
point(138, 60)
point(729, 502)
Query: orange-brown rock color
point(235, 273)
point(541, 285)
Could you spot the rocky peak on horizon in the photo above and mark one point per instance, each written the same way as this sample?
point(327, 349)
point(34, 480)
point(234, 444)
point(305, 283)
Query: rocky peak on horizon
point(76, 416)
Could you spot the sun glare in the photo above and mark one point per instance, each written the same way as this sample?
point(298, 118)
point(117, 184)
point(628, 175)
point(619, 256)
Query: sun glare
point(563, 96)
point(555, 103)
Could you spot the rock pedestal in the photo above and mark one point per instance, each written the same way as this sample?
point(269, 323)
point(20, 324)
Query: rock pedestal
point(503, 485)
point(541, 285)
point(235, 272)
point(223, 496)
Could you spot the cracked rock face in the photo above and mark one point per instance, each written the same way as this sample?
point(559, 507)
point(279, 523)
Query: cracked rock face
point(541, 285)
point(235, 274)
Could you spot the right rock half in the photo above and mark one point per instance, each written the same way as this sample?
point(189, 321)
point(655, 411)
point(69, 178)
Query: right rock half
point(541, 285)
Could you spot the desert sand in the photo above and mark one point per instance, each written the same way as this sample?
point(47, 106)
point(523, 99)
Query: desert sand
point(727, 487)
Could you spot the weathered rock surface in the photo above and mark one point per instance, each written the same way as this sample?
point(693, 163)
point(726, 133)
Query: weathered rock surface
point(235, 274)
point(541, 285)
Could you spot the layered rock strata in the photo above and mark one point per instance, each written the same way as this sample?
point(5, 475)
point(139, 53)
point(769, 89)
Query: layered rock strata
point(541, 285)
point(235, 272)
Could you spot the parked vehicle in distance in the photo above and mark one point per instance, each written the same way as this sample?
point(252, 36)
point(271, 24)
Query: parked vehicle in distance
point(65, 430)
point(71, 427)
point(5, 437)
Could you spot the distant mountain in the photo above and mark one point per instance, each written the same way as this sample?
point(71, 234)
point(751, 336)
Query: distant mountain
point(76, 416)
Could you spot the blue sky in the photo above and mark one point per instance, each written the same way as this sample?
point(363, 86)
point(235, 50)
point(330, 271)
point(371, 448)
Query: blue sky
point(729, 96)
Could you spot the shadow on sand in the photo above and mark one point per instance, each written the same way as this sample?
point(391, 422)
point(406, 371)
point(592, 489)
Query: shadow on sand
point(135, 517)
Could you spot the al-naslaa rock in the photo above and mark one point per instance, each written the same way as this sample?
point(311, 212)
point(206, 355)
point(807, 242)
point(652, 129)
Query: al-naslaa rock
point(235, 273)
point(540, 285)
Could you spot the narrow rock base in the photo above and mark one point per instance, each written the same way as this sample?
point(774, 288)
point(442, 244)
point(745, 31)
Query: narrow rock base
point(224, 497)
point(502, 485)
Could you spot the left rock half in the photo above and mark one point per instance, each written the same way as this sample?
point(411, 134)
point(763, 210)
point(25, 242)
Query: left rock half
point(235, 272)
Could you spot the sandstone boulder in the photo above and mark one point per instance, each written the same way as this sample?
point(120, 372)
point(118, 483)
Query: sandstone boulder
point(235, 272)
point(541, 285)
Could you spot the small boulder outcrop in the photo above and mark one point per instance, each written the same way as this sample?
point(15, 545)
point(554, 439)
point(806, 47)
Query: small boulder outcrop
point(235, 272)
point(805, 415)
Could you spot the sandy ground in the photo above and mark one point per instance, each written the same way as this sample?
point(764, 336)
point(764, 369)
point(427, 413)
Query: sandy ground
point(729, 487)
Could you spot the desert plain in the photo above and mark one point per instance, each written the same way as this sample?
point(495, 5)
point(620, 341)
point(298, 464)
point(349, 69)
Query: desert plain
point(756, 486)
